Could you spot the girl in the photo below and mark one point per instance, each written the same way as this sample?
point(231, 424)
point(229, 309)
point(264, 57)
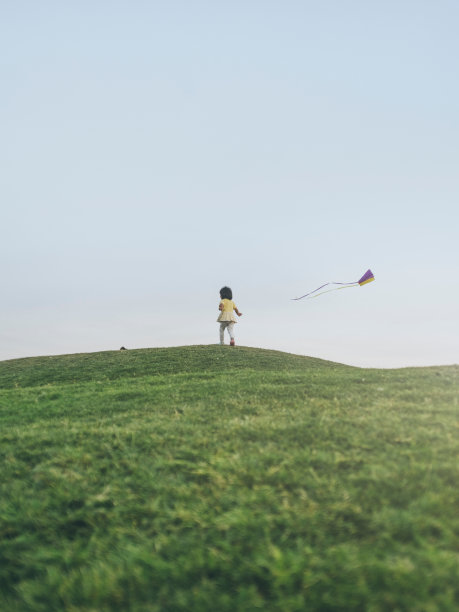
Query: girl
point(226, 317)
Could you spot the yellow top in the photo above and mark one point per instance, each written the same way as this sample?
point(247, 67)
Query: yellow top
point(227, 313)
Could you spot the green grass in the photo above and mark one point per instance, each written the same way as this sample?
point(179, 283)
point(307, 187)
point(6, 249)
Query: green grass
point(215, 479)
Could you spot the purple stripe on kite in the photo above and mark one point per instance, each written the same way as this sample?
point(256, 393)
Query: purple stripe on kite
point(368, 274)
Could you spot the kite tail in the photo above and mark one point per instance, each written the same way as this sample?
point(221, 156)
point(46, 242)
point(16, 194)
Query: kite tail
point(345, 286)
point(329, 290)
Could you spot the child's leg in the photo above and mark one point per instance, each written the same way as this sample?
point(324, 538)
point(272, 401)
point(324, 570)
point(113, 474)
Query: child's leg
point(231, 330)
point(222, 331)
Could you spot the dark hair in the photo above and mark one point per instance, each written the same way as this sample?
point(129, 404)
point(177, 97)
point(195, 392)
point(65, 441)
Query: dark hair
point(226, 293)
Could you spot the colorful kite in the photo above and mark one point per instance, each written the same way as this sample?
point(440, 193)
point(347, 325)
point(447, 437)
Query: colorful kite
point(366, 278)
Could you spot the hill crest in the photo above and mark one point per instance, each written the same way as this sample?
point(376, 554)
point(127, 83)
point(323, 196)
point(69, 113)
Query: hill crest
point(111, 365)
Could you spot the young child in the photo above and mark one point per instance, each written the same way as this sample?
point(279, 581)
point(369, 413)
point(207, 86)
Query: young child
point(226, 317)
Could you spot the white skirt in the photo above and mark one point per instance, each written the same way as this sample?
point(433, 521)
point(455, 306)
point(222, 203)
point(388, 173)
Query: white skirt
point(226, 316)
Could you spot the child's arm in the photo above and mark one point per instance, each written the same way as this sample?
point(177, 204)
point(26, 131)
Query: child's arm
point(239, 314)
point(220, 306)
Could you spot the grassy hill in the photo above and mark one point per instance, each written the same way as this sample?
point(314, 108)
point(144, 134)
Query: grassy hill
point(208, 478)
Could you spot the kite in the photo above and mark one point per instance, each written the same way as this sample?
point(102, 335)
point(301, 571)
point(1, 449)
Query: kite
point(366, 278)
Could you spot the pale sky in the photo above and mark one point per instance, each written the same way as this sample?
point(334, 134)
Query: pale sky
point(152, 152)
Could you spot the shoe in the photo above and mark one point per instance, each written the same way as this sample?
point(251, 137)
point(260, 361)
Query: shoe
point(232, 342)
